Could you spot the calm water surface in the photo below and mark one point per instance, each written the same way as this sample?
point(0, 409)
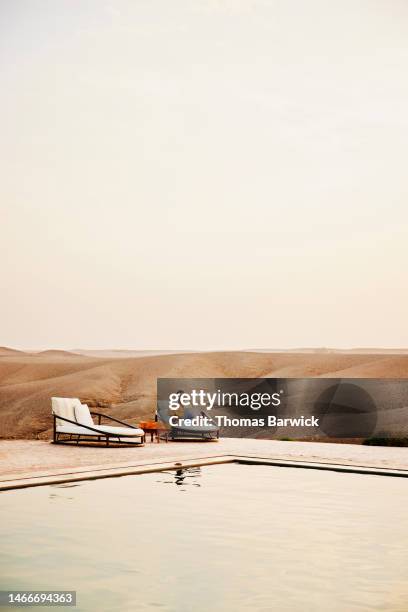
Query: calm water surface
point(224, 538)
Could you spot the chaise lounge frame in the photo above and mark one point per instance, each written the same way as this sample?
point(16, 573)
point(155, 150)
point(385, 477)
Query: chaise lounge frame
point(178, 432)
point(110, 437)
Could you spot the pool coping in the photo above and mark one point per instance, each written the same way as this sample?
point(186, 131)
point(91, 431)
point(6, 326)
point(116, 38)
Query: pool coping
point(94, 472)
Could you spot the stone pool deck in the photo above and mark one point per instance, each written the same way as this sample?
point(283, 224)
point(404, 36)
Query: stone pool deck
point(26, 463)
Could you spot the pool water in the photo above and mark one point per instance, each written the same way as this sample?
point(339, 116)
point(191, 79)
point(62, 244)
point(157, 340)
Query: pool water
point(221, 538)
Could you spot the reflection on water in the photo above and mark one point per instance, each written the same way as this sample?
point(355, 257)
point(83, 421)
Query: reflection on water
point(221, 538)
point(183, 477)
point(54, 496)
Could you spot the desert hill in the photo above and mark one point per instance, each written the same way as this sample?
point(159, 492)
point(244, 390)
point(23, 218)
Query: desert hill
point(128, 384)
point(119, 353)
point(56, 353)
point(5, 351)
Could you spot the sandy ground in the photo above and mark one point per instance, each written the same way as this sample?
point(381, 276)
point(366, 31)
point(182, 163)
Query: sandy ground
point(34, 457)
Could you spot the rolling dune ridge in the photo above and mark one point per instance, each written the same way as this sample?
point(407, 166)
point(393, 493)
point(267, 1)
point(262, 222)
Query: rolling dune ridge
point(127, 385)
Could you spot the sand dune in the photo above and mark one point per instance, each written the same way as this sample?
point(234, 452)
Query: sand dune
point(127, 385)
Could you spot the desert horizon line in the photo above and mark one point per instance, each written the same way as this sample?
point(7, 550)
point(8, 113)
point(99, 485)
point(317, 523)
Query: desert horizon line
point(204, 350)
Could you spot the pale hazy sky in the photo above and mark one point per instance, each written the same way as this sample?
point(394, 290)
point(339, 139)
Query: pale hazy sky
point(204, 173)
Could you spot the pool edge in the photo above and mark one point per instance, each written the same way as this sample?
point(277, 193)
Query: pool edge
point(96, 473)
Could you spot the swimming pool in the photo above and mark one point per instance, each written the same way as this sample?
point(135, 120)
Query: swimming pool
point(221, 538)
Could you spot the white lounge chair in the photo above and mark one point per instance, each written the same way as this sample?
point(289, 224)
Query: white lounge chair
point(73, 421)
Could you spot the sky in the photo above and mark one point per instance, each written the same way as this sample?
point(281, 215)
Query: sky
point(207, 174)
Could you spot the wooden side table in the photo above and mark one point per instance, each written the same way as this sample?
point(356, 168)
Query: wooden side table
point(155, 429)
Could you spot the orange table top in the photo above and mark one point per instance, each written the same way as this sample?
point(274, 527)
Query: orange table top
point(152, 425)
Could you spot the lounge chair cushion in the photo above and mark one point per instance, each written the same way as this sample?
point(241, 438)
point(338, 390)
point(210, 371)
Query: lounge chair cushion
point(83, 416)
point(64, 407)
point(197, 429)
point(120, 431)
point(75, 429)
point(163, 414)
point(123, 431)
